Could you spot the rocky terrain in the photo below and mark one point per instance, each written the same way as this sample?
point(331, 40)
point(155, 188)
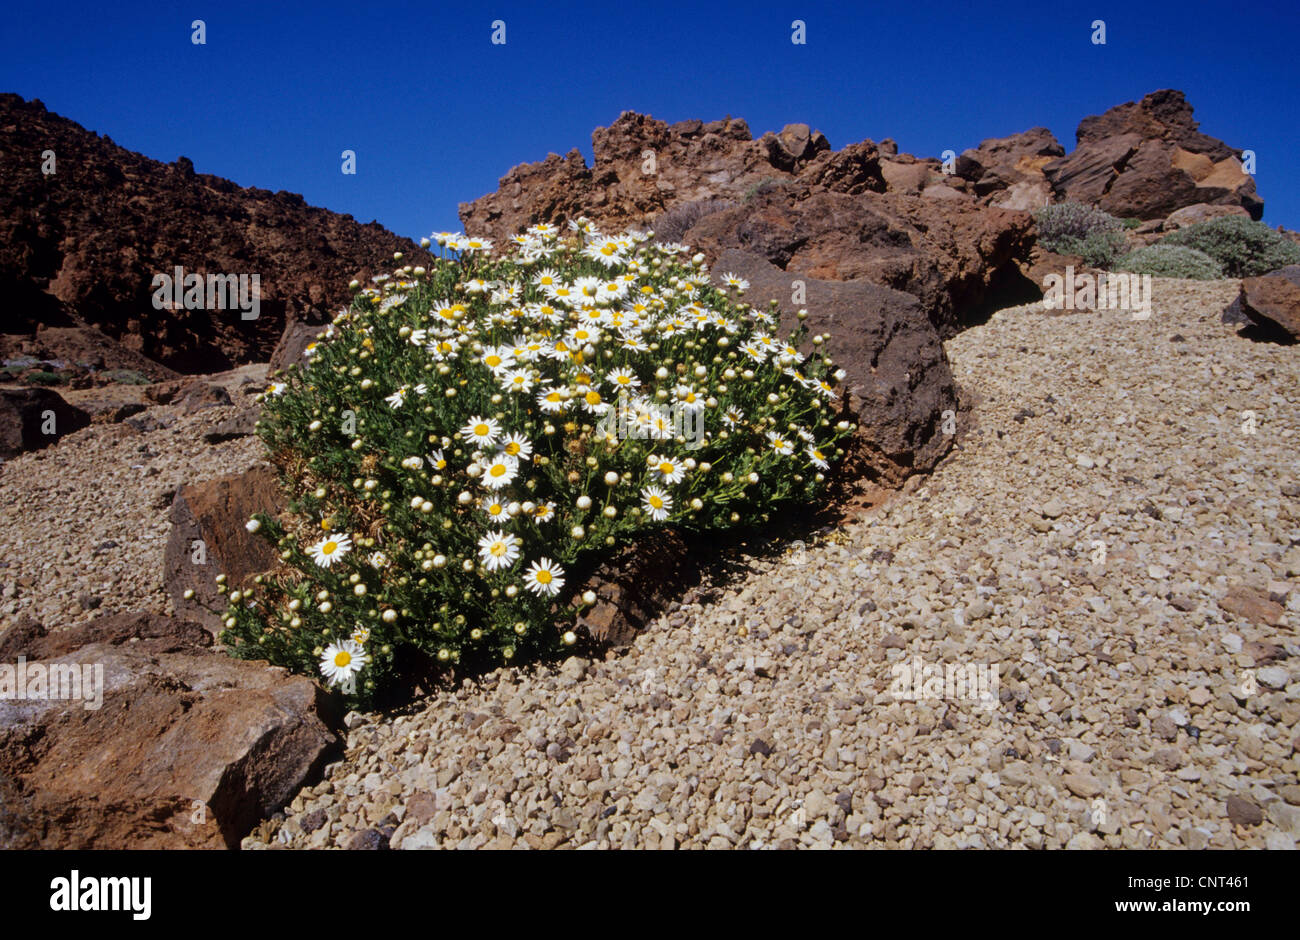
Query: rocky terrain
point(79, 247)
point(1148, 695)
point(1097, 509)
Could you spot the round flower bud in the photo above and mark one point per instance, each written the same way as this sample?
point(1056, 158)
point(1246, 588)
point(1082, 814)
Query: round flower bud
point(326, 607)
point(610, 512)
point(511, 590)
point(753, 478)
point(611, 478)
point(314, 426)
point(578, 532)
point(697, 505)
point(439, 561)
point(353, 284)
point(584, 502)
point(230, 622)
point(589, 597)
point(426, 507)
point(465, 497)
point(189, 594)
point(569, 638)
point(467, 565)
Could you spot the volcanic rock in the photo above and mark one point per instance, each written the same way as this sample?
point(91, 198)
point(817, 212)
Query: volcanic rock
point(208, 537)
point(1146, 159)
point(1273, 300)
point(81, 246)
point(187, 748)
point(31, 418)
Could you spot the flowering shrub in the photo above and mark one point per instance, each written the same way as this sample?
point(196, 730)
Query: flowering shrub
point(468, 438)
point(1162, 260)
point(1241, 246)
point(1073, 228)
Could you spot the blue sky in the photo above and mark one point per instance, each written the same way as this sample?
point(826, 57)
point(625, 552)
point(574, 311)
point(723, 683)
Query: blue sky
point(436, 113)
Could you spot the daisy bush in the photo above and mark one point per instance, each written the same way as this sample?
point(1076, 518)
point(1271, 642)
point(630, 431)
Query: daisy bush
point(465, 442)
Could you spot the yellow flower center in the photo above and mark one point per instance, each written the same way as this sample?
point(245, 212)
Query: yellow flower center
point(493, 361)
point(498, 470)
point(666, 469)
point(498, 549)
point(656, 502)
point(543, 577)
point(329, 548)
point(481, 430)
point(593, 398)
point(512, 449)
point(342, 658)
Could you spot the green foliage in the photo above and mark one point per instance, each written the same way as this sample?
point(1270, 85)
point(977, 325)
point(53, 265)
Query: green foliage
point(1130, 224)
point(44, 378)
point(766, 185)
point(1099, 249)
point(1164, 260)
point(459, 433)
point(1072, 228)
point(126, 377)
point(1241, 246)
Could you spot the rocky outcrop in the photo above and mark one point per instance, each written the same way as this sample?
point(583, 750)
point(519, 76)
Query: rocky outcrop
point(892, 220)
point(1272, 301)
point(1007, 172)
point(1146, 159)
point(208, 538)
point(31, 418)
point(81, 246)
point(956, 258)
point(644, 167)
point(166, 743)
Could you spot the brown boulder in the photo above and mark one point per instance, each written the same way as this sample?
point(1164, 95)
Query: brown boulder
point(1273, 300)
point(208, 537)
point(1007, 172)
point(955, 256)
point(634, 586)
point(32, 418)
point(1200, 212)
point(898, 379)
point(180, 747)
point(1147, 159)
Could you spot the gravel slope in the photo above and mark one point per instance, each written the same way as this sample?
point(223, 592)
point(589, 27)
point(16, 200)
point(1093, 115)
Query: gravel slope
point(1133, 710)
point(1147, 699)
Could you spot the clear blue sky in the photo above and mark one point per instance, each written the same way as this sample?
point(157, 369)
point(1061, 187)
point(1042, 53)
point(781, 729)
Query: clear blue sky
point(436, 113)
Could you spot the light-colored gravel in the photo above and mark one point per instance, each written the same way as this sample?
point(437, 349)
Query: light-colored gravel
point(1131, 708)
point(86, 519)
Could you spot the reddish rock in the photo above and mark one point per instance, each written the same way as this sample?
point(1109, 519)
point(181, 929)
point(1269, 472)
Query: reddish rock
point(957, 258)
point(81, 247)
point(214, 514)
point(636, 584)
point(898, 379)
point(32, 418)
point(1248, 604)
point(1200, 212)
point(1147, 159)
point(1273, 300)
point(187, 749)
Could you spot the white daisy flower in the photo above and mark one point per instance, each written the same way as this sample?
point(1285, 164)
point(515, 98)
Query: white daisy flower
point(656, 502)
point(500, 471)
point(498, 550)
point(669, 470)
point(817, 457)
point(544, 512)
point(544, 577)
point(329, 549)
point(780, 444)
point(481, 430)
point(495, 509)
point(517, 446)
point(516, 380)
point(342, 661)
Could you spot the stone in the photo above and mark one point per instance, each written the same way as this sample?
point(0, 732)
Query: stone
point(1200, 212)
point(32, 418)
point(898, 380)
point(1244, 812)
point(1252, 606)
point(189, 747)
point(208, 537)
point(1273, 300)
point(1148, 159)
